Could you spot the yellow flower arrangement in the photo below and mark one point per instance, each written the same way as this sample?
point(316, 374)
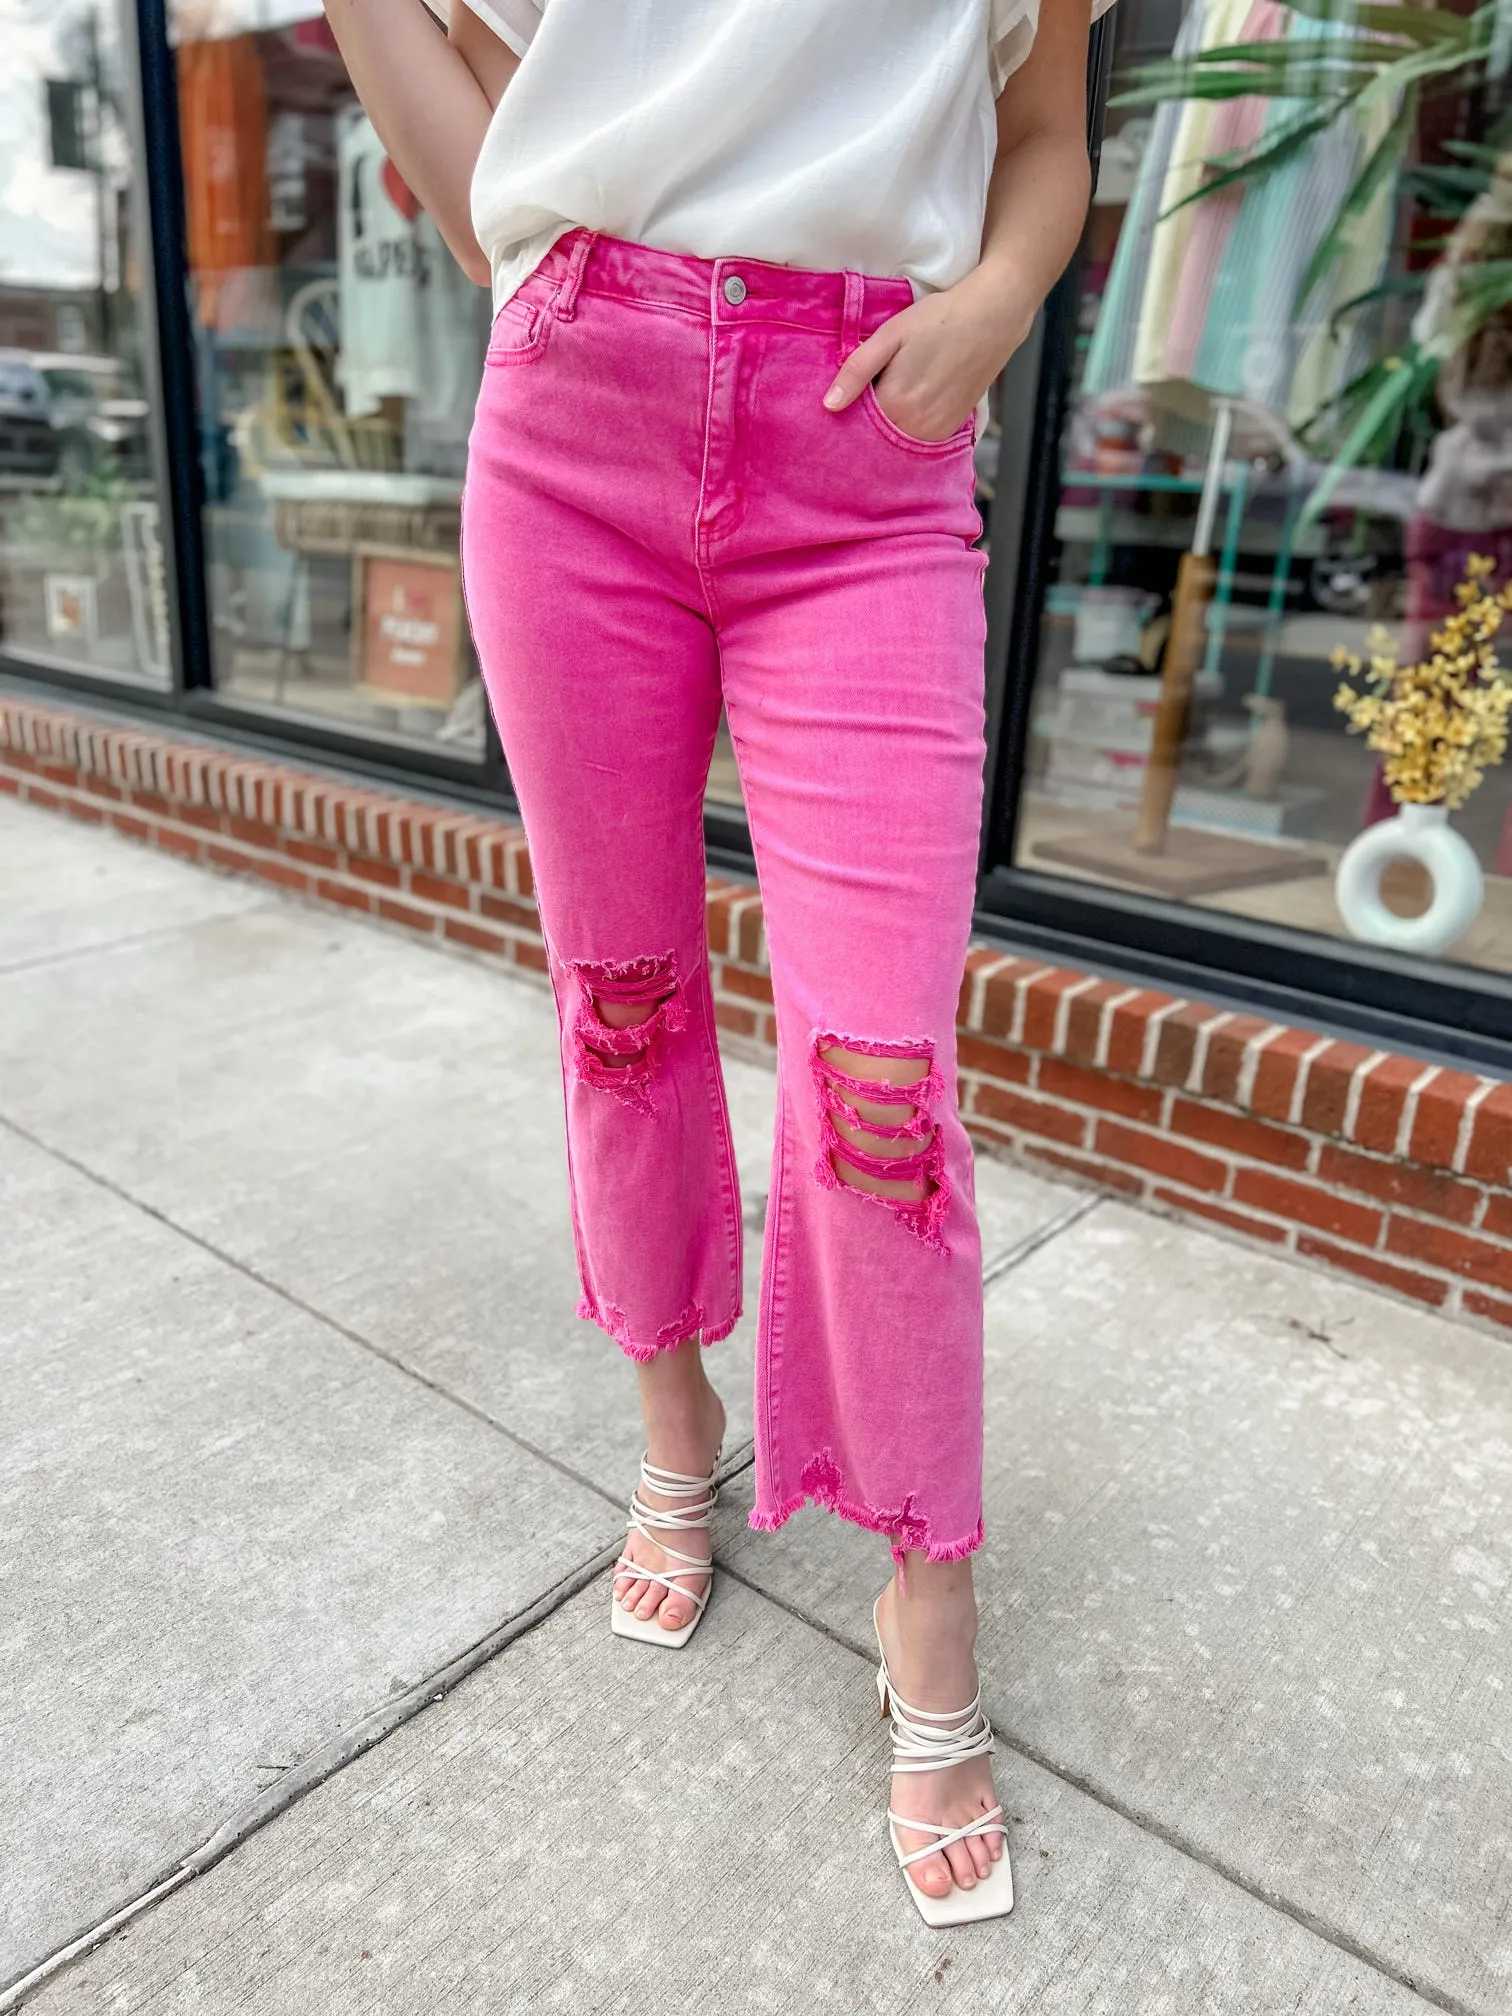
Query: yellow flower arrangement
point(1438, 726)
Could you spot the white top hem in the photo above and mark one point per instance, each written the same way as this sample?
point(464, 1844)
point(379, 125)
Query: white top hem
point(519, 40)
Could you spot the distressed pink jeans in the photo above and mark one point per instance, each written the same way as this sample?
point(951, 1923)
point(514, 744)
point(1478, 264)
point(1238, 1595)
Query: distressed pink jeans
point(660, 516)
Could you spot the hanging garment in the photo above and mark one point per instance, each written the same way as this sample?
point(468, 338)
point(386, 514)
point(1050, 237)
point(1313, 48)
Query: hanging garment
point(1237, 125)
point(413, 326)
point(1251, 344)
point(1110, 359)
point(1223, 22)
point(223, 126)
point(377, 261)
point(1204, 297)
point(1332, 356)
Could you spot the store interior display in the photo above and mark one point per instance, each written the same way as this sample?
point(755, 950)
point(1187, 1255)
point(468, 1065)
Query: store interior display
point(1250, 271)
point(1438, 726)
point(1150, 851)
point(340, 349)
point(78, 545)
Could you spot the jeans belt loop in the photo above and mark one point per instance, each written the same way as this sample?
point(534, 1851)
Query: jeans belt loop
point(850, 320)
point(565, 305)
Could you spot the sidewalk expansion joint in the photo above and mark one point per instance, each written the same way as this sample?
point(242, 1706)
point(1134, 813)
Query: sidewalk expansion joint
point(313, 1771)
point(132, 939)
point(1004, 1263)
point(329, 1322)
point(345, 1748)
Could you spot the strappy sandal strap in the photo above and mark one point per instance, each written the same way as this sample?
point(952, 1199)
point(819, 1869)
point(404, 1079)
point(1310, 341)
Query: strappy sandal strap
point(933, 1739)
point(925, 1739)
point(633, 1570)
point(652, 1521)
point(673, 1484)
point(987, 1823)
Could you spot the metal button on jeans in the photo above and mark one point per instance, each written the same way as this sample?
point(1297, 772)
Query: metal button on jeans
point(734, 290)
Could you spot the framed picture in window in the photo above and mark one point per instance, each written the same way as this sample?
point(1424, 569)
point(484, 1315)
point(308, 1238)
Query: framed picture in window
point(408, 633)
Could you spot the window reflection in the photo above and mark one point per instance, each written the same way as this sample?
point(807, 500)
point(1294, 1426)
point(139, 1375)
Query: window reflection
point(1272, 452)
point(82, 582)
point(339, 352)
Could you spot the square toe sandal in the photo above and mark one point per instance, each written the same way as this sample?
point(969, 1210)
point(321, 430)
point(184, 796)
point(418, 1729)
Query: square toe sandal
point(692, 1518)
point(925, 1741)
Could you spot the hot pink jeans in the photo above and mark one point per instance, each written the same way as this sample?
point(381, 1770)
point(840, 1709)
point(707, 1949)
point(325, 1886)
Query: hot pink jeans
point(661, 515)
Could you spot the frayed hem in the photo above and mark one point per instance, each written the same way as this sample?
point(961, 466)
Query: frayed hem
point(908, 1530)
point(615, 1324)
point(957, 1550)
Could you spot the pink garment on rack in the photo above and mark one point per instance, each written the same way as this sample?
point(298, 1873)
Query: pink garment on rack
point(1237, 124)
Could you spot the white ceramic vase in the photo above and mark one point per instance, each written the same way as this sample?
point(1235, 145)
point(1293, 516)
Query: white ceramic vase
point(1420, 833)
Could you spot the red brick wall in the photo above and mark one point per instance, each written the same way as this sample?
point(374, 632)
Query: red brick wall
point(1379, 1165)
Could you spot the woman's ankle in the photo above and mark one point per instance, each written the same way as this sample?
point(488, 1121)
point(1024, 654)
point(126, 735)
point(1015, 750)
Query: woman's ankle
point(934, 1602)
point(682, 1413)
point(921, 1583)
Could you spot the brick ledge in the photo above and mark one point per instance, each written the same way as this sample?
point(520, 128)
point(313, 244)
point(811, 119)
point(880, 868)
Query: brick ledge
point(1363, 1161)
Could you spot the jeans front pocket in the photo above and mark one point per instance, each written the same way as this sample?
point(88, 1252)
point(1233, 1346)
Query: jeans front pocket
point(520, 331)
point(963, 437)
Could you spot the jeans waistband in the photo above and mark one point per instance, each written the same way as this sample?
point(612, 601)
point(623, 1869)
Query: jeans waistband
point(725, 292)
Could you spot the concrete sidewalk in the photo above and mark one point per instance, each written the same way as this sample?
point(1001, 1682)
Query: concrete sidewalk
point(297, 1433)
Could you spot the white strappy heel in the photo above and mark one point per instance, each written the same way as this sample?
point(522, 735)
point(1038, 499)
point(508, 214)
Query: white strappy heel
point(923, 1740)
point(652, 1524)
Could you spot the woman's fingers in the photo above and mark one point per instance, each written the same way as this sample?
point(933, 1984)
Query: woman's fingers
point(862, 365)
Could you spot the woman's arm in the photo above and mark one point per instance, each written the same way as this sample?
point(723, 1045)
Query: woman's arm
point(933, 362)
point(430, 96)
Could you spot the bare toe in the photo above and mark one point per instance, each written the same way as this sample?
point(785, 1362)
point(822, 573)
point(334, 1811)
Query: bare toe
point(931, 1875)
point(958, 1855)
point(680, 1608)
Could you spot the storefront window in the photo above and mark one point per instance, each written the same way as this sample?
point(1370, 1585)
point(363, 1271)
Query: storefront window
point(82, 584)
point(339, 353)
point(1290, 427)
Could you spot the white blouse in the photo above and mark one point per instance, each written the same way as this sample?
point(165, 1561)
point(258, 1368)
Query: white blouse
point(833, 134)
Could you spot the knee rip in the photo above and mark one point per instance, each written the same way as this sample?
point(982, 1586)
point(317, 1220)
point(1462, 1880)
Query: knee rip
point(878, 1133)
point(624, 1007)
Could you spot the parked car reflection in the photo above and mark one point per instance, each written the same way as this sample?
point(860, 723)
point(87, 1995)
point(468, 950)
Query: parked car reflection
point(100, 422)
point(29, 442)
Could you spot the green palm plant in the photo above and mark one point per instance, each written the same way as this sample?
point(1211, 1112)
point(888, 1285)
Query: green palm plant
point(1363, 58)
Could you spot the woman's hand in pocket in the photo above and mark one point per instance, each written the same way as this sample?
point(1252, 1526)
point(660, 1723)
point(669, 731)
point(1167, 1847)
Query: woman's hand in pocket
point(931, 363)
